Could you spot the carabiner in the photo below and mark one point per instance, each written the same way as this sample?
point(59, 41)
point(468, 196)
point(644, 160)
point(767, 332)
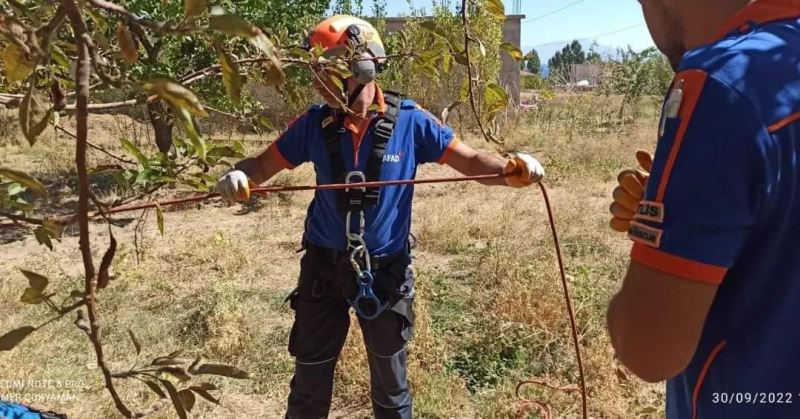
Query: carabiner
point(366, 295)
point(362, 250)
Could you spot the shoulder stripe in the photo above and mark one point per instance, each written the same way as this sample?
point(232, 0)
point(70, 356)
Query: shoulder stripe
point(693, 83)
point(783, 123)
point(678, 266)
point(449, 151)
point(273, 148)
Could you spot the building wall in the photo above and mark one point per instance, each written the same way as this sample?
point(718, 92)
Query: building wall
point(510, 71)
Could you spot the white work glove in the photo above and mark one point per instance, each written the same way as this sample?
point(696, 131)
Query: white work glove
point(234, 186)
point(526, 171)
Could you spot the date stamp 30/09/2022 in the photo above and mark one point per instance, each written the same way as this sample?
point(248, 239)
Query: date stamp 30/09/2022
point(755, 398)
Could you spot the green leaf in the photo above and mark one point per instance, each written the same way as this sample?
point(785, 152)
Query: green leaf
point(36, 281)
point(24, 179)
point(53, 227)
point(59, 57)
point(32, 296)
point(179, 373)
point(18, 67)
point(136, 344)
point(231, 24)
point(223, 370)
point(336, 81)
point(16, 189)
point(175, 95)
point(204, 386)
point(103, 276)
point(496, 98)
point(98, 19)
point(43, 237)
point(205, 394)
point(146, 176)
point(231, 79)
point(198, 143)
point(273, 75)
point(34, 114)
point(195, 8)
point(512, 50)
point(160, 219)
point(175, 397)
point(175, 354)
point(187, 399)
point(464, 91)
point(166, 360)
point(134, 151)
point(495, 8)
point(222, 151)
point(155, 389)
point(238, 147)
point(447, 62)
point(14, 337)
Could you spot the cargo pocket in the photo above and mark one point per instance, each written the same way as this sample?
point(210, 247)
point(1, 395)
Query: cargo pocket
point(405, 309)
point(405, 306)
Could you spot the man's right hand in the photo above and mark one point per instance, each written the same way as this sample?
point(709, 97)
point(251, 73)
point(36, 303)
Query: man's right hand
point(632, 185)
point(234, 186)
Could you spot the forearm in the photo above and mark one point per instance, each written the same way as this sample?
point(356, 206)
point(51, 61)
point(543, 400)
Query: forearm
point(483, 164)
point(253, 168)
point(260, 168)
point(612, 319)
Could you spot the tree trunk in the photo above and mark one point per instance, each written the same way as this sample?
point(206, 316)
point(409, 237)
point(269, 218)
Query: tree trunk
point(162, 126)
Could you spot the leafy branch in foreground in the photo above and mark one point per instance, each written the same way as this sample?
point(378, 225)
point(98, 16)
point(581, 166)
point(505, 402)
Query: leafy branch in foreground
point(73, 50)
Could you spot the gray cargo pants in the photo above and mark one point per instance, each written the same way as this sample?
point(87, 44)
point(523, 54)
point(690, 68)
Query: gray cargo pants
point(320, 328)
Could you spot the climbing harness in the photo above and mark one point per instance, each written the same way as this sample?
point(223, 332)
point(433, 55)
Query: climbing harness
point(353, 200)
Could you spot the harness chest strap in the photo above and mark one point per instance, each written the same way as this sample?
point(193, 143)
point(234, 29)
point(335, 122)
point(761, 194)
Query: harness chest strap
point(333, 129)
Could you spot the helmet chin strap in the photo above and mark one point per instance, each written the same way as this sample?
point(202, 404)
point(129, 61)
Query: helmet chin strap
point(356, 93)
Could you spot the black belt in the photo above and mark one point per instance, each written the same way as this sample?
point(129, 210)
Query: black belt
point(335, 256)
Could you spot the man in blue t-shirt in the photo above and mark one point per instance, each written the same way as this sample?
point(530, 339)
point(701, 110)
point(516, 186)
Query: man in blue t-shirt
point(712, 294)
point(380, 137)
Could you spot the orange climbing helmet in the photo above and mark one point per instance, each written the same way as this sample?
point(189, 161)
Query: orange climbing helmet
point(337, 35)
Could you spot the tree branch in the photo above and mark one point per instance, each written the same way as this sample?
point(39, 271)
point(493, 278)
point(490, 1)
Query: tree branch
point(467, 38)
point(96, 147)
point(21, 218)
point(162, 27)
point(82, 74)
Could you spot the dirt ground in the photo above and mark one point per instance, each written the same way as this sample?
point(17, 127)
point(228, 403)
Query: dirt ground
point(490, 308)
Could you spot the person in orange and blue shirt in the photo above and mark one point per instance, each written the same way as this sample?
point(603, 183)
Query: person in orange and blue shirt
point(376, 137)
point(711, 299)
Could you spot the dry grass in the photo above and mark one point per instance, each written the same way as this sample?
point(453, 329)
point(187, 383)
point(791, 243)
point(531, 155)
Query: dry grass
point(490, 310)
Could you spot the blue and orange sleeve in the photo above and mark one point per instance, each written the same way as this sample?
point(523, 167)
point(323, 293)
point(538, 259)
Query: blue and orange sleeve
point(706, 184)
point(291, 149)
point(434, 141)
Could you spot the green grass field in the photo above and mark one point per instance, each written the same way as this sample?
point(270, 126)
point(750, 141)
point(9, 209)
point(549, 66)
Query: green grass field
point(490, 308)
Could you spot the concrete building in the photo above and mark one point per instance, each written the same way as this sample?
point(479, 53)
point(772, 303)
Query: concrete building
point(512, 32)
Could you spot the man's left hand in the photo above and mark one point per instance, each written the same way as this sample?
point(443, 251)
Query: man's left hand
point(525, 169)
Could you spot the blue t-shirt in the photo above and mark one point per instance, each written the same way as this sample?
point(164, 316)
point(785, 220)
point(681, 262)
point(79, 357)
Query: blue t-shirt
point(723, 206)
point(418, 138)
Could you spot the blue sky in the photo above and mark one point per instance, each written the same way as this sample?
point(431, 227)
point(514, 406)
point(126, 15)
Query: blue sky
point(612, 23)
